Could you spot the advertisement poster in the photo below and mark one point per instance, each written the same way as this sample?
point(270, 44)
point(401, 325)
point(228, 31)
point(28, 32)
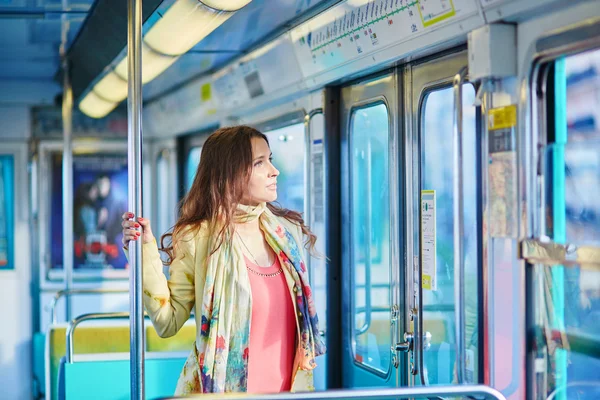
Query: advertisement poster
point(100, 199)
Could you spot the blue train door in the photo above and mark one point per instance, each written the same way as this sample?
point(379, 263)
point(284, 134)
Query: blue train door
point(443, 222)
point(371, 259)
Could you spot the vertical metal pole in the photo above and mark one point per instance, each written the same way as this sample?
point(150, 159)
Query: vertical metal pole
point(134, 136)
point(459, 231)
point(67, 164)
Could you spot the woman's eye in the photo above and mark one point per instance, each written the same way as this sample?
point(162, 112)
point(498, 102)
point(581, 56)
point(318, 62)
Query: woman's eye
point(258, 163)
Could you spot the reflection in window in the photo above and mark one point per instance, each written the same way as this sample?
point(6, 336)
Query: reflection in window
point(191, 166)
point(370, 235)
point(287, 146)
point(582, 157)
point(437, 174)
point(6, 212)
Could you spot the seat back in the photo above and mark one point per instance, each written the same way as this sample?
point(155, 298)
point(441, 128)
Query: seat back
point(109, 378)
point(106, 339)
point(182, 341)
point(86, 340)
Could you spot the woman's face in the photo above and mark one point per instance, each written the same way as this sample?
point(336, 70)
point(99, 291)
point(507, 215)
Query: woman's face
point(263, 181)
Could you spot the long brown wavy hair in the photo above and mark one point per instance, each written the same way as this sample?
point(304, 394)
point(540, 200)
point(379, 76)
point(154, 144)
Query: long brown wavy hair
point(220, 183)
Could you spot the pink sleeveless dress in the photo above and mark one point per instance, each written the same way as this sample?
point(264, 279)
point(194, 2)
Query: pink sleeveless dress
point(272, 331)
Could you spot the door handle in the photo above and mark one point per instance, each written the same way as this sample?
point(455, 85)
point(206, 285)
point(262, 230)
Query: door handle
point(409, 340)
point(407, 345)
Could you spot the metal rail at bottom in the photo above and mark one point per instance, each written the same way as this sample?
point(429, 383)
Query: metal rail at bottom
point(476, 391)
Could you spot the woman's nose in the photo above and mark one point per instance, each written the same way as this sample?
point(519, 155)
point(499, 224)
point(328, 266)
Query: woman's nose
point(274, 171)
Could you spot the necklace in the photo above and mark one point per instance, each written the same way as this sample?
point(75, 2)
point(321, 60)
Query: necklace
point(256, 262)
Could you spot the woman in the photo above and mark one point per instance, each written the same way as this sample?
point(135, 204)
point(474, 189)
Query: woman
point(238, 259)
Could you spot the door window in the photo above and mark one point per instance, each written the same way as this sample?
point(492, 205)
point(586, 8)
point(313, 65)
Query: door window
point(438, 277)
point(370, 235)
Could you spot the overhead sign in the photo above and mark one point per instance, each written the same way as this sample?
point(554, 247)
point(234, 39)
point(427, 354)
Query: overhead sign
point(357, 28)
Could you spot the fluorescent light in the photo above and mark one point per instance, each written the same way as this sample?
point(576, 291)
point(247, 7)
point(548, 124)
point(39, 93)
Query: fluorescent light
point(226, 5)
point(95, 106)
point(184, 24)
point(153, 64)
point(112, 87)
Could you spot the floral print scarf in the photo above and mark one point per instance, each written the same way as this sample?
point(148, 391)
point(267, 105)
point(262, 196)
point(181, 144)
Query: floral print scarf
point(222, 353)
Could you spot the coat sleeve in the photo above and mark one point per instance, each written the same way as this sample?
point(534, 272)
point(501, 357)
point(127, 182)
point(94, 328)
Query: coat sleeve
point(169, 302)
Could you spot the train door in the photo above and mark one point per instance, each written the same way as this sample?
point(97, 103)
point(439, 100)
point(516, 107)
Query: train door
point(564, 253)
point(443, 221)
point(370, 231)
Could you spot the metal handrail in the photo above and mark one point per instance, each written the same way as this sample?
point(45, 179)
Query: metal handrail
point(545, 251)
point(87, 317)
point(459, 228)
point(372, 394)
point(94, 316)
point(68, 292)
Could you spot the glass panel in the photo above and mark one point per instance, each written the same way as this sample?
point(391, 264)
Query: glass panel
point(370, 240)
point(287, 146)
point(7, 214)
point(437, 178)
point(568, 333)
point(568, 309)
point(191, 166)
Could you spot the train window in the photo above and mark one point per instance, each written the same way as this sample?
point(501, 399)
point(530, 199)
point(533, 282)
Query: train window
point(437, 178)
point(569, 297)
point(370, 235)
point(6, 212)
point(287, 146)
point(191, 166)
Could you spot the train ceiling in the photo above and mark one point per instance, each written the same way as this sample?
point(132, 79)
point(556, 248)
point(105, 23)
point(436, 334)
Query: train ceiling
point(30, 32)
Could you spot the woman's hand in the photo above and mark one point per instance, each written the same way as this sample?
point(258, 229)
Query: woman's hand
point(131, 229)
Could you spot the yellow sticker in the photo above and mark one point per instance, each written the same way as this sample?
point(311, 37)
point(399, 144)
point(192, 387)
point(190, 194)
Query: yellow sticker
point(426, 282)
point(206, 92)
point(502, 117)
point(432, 12)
